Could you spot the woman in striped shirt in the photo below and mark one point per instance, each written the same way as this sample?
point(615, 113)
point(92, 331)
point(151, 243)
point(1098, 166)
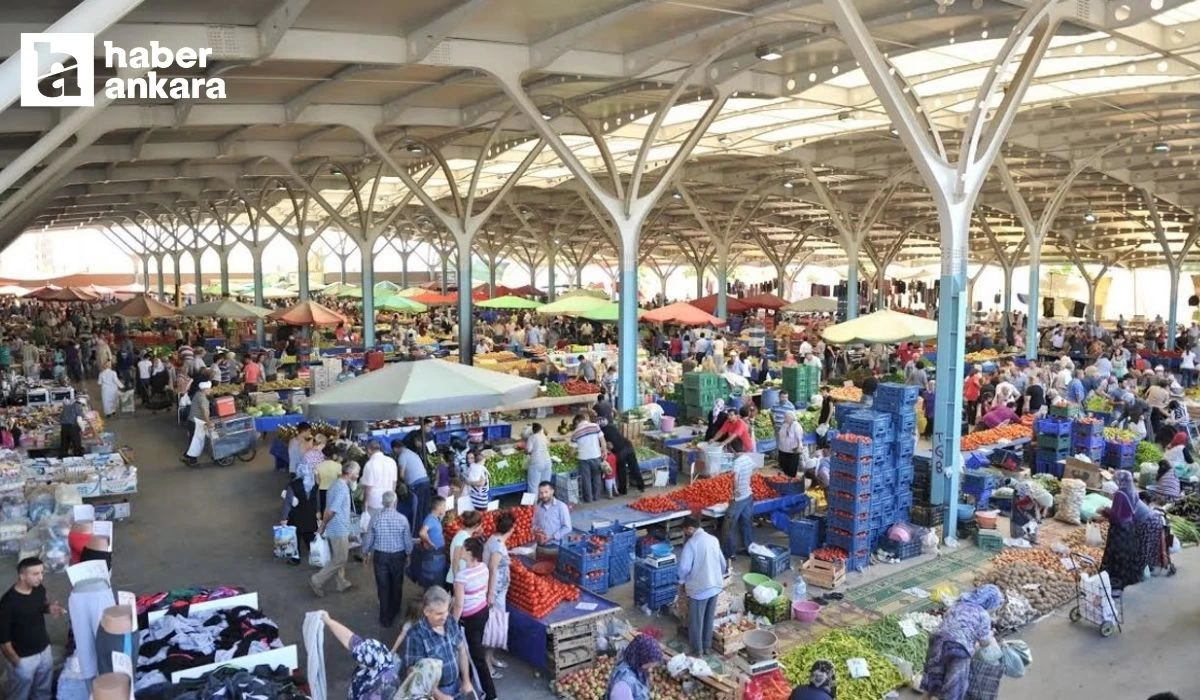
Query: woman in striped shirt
point(471, 610)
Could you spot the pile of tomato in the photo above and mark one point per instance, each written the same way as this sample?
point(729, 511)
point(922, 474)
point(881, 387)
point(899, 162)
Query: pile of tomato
point(522, 533)
point(578, 387)
point(833, 554)
point(703, 494)
point(534, 594)
point(655, 504)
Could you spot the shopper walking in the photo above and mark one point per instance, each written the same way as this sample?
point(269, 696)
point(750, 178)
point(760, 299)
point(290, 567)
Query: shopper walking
point(23, 637)
point(70, 434)
point(416, 478)
point(540, 468)
point(378, 477)
point(792, 452)
point(628, 469)
point(495, 555)
point(386, 546)
point(589, 447)
point(702, 570)
point(471, 610)
point(437, 635)
point(335, 527)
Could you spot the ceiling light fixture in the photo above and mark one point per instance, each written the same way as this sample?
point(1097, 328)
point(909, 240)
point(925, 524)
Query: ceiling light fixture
point(724, 140)
point(1161, 147)
point(1089, 217)
point(676, 195)
point(414, 148)
point(768, 53)
point(789, 184)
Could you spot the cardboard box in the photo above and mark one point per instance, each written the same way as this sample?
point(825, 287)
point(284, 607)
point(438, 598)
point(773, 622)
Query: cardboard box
point(1090, 474)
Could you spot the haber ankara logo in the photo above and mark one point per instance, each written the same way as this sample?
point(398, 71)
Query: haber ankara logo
point(57, 70)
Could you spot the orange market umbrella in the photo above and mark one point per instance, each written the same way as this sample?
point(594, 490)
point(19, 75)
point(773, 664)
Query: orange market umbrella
point(432, 299)
point(43, 292)
point(142, 307)
point(764, 301)
point(308, 313)
point(683, 314)
point(708, 304)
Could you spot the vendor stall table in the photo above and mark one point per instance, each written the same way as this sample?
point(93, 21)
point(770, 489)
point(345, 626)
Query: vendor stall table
point(270, 424)
point(550, 402)
point(496, 430)
point(530, 638)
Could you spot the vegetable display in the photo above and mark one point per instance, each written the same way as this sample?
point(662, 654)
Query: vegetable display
point(1147, 452)
point(577, 387)
point(1048, 482)
point(1046, 586)
point(886, 637)
point(846, 393)
point(992, 436)
point(809, 420)
point(592, 682)
point(705, 493)
point(1184, 529)
point(833, 554)
point(1120, 435)
point(537, 595)
point(655, 504)
point(837, 647)
point(555, 389)
point(507, 469)
point(764, 427)
point(1098, 404)
point(522, 533)
point(1187, 507)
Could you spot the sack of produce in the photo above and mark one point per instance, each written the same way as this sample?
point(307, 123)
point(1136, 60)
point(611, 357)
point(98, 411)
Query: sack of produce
point(1070, 501)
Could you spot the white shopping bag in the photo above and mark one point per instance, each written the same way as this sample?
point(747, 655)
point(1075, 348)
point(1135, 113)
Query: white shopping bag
point(318, 553)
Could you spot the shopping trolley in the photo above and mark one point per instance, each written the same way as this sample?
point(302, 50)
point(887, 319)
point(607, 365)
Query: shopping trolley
point(1096, 602)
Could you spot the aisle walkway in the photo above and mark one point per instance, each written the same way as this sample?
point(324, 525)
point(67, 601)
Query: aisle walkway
point(211, 525)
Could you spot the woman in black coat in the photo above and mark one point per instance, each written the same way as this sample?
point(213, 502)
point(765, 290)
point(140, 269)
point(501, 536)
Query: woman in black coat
point(300, 511)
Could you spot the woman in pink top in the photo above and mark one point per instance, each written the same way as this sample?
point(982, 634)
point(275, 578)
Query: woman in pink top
point(471, 609)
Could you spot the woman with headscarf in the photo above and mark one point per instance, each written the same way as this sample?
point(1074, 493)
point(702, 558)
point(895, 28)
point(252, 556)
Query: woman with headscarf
point(822, 683)
point(716, 419)
point(376, 669)
point(966, 626)
point(630, 679)
point(1166, 486)
point(1123, 554)
point(1024, 511)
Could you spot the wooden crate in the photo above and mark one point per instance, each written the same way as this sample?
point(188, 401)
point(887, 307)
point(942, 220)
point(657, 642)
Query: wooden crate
point(727, 644)
point(564, 662)
point(823, 574)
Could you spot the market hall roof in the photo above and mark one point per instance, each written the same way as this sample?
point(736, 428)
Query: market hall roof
point(312, 85)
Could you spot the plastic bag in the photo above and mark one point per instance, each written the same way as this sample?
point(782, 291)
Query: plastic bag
point(284, 541)
point(929, 543)
point(13, 508)
point(1093, 536)
point(677, 665)
point(495, 632)
point(764, 595)
point(318, 552)
point(699, 668)
point(944, 593)
point(41, 506)
point(1016, 656)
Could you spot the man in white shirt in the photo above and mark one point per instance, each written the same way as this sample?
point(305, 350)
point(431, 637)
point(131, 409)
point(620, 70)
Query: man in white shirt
point(718, 346)
point(805, 347)
point(590, 449)
point(702, 347)
point(143, 377)
point(378, 477)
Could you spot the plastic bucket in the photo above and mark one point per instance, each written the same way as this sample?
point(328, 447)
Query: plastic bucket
point(770, 398)
point(805, 610)
point(667, 424)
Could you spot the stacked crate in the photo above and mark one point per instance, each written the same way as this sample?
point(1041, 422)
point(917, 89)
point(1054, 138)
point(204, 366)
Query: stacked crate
point(977, 485)
point(654, 587)
point(1087, 438)
point(583, 562)
point(1118, 454)
point(801, 382)
point(860, 465)
point(700, 392)
point(899, 402)
point(1053, 445)
point(621, 541)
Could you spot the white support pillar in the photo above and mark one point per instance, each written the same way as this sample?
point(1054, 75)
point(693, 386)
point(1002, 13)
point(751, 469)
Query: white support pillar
point(954, 186)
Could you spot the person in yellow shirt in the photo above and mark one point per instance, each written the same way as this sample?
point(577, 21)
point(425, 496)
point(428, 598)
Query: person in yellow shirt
point(328, 470)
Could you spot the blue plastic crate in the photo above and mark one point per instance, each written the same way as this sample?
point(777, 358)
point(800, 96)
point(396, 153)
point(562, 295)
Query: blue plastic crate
point(787, 488)
point(904, 424)
point(1095, 454)
point(1086, 442)
point(581, 558)
point(853, 449)
point(655, 598)
point(982, 500)
point(849, 541)
point(1087, 429)
point(904, 503)
point(1101, 415)
point(875, 425)
point(1117, 460)
point(850, 521)
point(1048, 464)
point(859, 560)
point(1052, 426)
point(854, 485)
point(773, 565)
point(883, 482)
point(620, 568)
point(647, 576)
point(839, 464)
point(841, 410)
point(620, 538)
point(1120, 448)
point(978, 481)
point(804, 536)
point(599, 586)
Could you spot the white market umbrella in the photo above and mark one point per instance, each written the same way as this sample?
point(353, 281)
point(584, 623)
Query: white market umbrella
point(12, 290)
point(812, 305)
point(420, 388)
point(226, 308)
point(884, 326)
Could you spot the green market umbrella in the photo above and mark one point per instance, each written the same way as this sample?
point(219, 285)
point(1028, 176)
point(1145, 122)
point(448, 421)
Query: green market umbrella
point(509, 302)
point(337, 288)
point(277, 293)
point(571, 306)
point(386, 288)
point(214, 288)
point(226, 308)
point(609, 312)
point(351, 293)
point(400, 304)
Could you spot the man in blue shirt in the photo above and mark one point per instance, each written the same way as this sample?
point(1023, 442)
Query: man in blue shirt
point(551, 519)
point(335, 527)
point(1076, 392)
point(702, 570)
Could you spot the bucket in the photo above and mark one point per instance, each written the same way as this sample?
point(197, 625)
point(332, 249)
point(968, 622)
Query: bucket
point(805, 610)
point(475, 435)
point(986, 519)
point(965, 512)
point(770, 398)
point(667, 423)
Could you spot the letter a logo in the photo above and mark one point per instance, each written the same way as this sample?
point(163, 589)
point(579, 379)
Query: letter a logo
point(57, 70)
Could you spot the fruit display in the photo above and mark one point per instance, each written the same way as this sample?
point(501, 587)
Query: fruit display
point(522, 533)
point(268, 409)
point(1098, 403)
point(507, 469)
point(992, 436)
point(764, 427)
point(832, 554)
point(846, 393)
point(283, 384)
point(592, 682)
point(535, 594)
point(1120, 435)
point(578, 387)
point(982, 356)
point(225, 390)
point(837, 647)
point(655, 504)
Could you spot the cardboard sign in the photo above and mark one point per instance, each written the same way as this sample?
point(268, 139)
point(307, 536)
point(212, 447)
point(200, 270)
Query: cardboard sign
point(528, 499)
point(103, 528)
point(123, 664)
point(129, 598)
point(1086, 472)
point(493, 505)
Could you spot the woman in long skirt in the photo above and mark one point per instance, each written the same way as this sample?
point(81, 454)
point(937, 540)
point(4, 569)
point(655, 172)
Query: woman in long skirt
point(110, 390)
point(1123, 554)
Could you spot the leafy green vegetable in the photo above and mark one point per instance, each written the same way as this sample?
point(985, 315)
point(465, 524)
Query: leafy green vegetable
point(886, 637)
point(1147, 452)
point(836, 647)
point(1184, 529)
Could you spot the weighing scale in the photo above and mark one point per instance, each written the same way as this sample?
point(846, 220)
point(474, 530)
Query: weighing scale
point(661, 562)
point(755, 668)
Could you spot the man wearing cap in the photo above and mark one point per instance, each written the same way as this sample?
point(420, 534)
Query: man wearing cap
point(201, 420)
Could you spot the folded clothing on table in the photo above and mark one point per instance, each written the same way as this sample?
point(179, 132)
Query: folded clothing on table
point(177, 642)
point(230, 683)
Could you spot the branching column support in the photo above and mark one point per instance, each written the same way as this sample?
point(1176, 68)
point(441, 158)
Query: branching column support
point(699, 257)
point(781, 258)
point(1037, 229)
point(256, 243)
point(954, 185)
point(463, 223)
point(975, 278)
point(1107, 260)
point(1174, 260)
point(853, 232)
point(882, 261)
point(1008, 263)
point(724, 238)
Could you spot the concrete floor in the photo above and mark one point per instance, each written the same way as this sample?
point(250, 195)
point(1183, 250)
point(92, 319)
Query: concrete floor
point(211, 525)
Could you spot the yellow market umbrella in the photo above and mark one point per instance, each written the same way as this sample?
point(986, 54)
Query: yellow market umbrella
point(884, 326)
point(571, 306)
point(409, 292)
point(812, 305)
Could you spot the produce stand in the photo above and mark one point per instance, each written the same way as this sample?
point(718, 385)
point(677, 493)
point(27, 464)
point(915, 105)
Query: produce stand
point(567, 628)
point(586, 520)
point(550, 402)
point(493, 431)
point(270, 424)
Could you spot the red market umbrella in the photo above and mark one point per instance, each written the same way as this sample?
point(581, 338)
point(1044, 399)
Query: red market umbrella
point(527, 291)
point(708, 304)
point(69, 294)
point(683, 314)
point(43, 292)
point(432, 299)
point(764, 301)
point(308, 313)
point(142, 307)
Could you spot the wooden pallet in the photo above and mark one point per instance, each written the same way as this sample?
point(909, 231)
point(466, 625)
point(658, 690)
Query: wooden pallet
point(823, 574)
point(571, 660)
